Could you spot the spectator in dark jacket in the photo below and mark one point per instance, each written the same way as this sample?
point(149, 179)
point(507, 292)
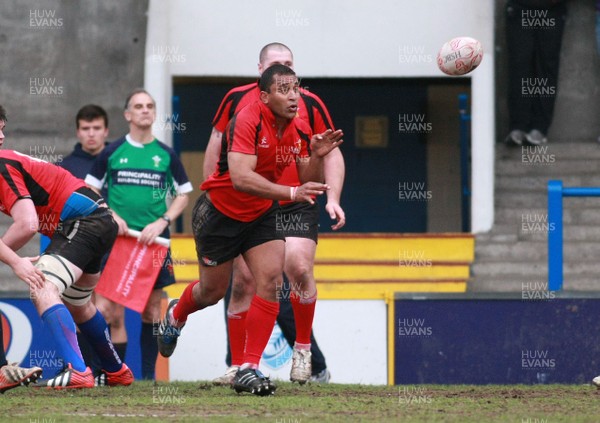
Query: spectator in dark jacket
point(92, 130)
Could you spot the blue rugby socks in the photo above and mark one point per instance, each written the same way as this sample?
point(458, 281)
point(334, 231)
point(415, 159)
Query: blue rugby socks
point(96, 332)
point(62, 327)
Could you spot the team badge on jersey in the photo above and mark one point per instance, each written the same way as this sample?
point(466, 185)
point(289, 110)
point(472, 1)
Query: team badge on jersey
point(264, 143)
point(156, 160)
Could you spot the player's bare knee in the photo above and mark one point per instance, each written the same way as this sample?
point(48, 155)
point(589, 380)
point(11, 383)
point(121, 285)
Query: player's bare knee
point(49, 293)
point(211, 295)
point(239, 291)
point(117, 319)
point(299, 271)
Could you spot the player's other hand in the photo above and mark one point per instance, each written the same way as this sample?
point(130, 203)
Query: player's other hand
point(336, 213)
point(28, 273)
point(306, 191)
point(322, 144)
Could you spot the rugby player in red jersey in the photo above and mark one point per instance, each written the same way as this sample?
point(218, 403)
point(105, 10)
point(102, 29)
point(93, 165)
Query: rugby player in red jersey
point(298, 221)
point(12, 375)
point(238, 214)
point(42, 197)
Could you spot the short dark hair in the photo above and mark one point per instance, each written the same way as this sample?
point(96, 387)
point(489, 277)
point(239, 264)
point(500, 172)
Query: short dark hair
point(134, 92)
point(268, 76)
point(3, 114)
point(89, 112)
point(274, 46)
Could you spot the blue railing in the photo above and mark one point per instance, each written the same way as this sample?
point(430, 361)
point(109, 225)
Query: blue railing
point(465, 160)
point(556, 192)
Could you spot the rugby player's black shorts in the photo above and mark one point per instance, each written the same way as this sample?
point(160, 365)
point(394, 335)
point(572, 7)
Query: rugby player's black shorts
point(299, 220)
point(85, 240)
point(220, 239)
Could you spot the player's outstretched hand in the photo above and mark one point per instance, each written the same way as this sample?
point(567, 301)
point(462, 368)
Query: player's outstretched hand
point(28, 273)
point(322, 144)
point(306, 191)
point(336, 213)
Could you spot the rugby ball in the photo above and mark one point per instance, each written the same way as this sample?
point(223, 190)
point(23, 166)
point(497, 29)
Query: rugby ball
point(460, 56)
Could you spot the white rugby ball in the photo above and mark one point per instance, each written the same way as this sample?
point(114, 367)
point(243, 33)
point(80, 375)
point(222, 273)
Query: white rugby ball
point(460, 56)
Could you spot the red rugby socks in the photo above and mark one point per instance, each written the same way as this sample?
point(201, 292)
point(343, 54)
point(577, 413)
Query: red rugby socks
point(236, 323)
point(186, 305)
point(304, 312)
point(259, 326)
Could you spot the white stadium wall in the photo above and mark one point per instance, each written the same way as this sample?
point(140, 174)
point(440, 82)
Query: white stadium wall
point(355, 347)
point(334, 38)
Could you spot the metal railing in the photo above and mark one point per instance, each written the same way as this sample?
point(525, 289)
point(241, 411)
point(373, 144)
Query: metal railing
point(556, 192)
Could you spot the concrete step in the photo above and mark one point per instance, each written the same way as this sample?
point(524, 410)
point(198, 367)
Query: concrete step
point(502, 267)
point(563, 151)
point(532, 251)
point(528, 284)
point(500, 236)
point(532, 269)
point(572, 214)
point(539, 199)
point(538, 231)
point(540, 183)
point(513, 255)
point(558, 169)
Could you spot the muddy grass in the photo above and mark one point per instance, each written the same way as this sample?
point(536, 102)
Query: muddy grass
point(176, 402)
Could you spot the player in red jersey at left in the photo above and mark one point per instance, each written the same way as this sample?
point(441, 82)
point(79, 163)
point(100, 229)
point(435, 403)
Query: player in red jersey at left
point(42, 197)
point(238, 212)
point(12, 375)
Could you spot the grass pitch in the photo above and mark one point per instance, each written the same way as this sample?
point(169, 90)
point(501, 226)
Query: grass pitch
point(196, 402)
